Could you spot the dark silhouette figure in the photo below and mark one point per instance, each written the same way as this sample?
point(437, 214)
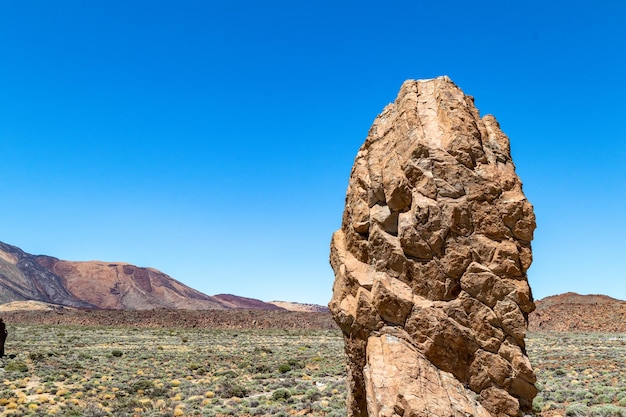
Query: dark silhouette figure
point(3, 337)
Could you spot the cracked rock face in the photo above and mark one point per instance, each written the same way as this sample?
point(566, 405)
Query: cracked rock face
point(430, 263)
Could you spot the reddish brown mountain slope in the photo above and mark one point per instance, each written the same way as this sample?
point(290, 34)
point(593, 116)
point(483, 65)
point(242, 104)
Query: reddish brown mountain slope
point(22, 278)
point(122, 286)
point(102, 285)
point(575, 312)
point(235, 301)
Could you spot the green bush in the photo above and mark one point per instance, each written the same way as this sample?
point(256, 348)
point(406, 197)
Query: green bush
point(227, 374)
point(295, 364)
point(607, 410)
point(577, 410)
point(142, 384)
point(117, 353)
point(16, 366)
point(602, 399)
point(284, 368)
point(229, 390)
point(281, 394)
point(537, 404)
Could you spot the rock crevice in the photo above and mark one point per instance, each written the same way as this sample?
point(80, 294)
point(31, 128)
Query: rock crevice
point(430, 263)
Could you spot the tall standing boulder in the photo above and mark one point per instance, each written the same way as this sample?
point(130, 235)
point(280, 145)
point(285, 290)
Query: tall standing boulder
point(430, 263)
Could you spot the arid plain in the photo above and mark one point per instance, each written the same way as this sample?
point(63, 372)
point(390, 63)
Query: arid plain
point(263, 363)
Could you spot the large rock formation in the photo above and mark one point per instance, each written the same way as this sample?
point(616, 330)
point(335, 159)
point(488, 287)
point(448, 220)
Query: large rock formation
point(430, 263)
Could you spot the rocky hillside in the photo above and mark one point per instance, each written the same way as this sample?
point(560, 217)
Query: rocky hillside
point(235, 301)
point(101, 285)
point(574, 312)
point(23, 278)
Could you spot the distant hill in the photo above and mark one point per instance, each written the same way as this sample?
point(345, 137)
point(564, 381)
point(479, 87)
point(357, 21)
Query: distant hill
point(101, 285)
point(234, 301)
point(575, 312)
point(309, 308)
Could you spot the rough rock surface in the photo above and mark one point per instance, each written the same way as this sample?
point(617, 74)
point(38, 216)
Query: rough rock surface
point(430, 263)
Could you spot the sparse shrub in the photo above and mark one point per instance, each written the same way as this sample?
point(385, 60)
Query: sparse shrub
point(260, 369)
point(227, 374)
point(602, 399)
point(550, 405)
point(336, 414)
point(157, 392)
point(262, 349)
point(607, 410)
point(281, 394)
point(92, 410)
point(537, 404)
point(142, 384)
point(286, 383)
point(229, 390)
point(16, 366)
point(36, 356)
point(295, 364)
point(577, 410)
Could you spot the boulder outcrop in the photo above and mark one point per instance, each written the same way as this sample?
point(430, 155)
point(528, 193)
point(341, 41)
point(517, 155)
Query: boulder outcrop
point(430, 263)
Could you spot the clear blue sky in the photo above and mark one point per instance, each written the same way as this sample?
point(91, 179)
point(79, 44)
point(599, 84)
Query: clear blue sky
point(213, 140)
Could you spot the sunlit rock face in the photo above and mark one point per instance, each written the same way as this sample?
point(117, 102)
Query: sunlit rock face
point(430, 263)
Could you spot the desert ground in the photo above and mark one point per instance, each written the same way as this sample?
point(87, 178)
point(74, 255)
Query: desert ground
point(259, 364)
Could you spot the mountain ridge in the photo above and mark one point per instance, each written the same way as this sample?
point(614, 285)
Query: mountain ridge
point(102, 285)
point(579, 313)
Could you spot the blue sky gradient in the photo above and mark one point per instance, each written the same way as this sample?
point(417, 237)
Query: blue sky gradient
point(213, 140)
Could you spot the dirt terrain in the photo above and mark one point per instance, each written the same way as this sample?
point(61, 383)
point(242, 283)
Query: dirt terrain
point(561, 313)
point(580, 372)
point(215, 319)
